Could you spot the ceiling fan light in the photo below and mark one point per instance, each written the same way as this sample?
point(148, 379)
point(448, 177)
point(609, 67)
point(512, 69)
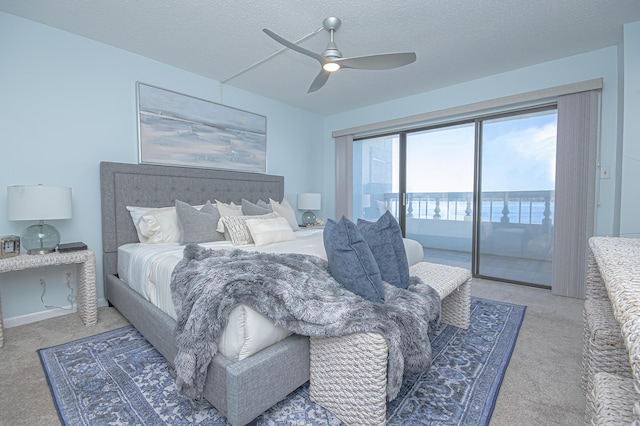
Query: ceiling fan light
point(331, 67)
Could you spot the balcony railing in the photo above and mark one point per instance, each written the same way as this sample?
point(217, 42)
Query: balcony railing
point(521, 207)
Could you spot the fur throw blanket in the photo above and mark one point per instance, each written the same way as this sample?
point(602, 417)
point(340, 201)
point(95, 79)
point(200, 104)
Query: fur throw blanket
point(296, 292)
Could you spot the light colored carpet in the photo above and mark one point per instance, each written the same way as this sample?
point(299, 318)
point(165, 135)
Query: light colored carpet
point(541, 386)
point(542, 383)
point(25, 398)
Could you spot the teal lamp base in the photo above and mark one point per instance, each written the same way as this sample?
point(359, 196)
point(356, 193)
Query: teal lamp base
point(308, 218)
point(40, 239)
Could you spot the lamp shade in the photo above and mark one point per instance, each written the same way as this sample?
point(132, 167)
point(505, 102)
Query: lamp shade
point(309, 201)
point(38, 202)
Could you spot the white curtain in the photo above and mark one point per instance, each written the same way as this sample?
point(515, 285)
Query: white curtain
point(344, 176)
point(575, 190)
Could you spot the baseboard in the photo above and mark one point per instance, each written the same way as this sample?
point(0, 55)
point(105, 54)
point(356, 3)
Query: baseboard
point(44, 315)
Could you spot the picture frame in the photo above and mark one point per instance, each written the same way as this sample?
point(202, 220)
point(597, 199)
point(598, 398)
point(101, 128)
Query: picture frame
point(180, 130)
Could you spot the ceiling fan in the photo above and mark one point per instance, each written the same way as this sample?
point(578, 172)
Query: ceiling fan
point(331, 58)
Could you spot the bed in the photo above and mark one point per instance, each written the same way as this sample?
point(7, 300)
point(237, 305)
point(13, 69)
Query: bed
point(239, 389)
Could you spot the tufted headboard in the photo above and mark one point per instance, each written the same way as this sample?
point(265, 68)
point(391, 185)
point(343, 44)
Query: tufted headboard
point(146, 185)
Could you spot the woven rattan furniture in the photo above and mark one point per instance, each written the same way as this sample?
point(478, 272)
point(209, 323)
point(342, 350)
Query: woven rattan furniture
point(87, 304)
point(614, 397)
point(618, 265)
point(349, 373)
point(595, 289)
point(454, 287)
point(349, 377)
point(604, 349)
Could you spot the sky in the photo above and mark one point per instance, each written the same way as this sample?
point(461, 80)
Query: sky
point(518, 154)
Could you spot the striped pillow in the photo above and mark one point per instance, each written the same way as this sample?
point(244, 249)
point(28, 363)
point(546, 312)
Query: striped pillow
point(237, 228)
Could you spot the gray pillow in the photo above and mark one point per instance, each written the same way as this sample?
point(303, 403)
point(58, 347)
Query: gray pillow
point(251, 209)
point(350, 260)
point(197, 226)
point(264, 204)
point(384, 238)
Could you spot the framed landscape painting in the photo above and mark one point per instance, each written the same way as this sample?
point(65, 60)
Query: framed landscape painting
point(179, 130)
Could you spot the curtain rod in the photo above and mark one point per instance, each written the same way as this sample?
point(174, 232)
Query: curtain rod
point(412, 120)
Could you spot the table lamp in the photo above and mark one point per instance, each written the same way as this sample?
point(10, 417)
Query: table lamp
point(308, 201)
point(39, 202)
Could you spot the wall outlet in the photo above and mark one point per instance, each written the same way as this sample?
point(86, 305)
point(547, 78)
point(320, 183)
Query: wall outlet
point(68, 276)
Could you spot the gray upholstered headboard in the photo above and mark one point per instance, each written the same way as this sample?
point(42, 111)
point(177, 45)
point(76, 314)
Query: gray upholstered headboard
point(159, 186)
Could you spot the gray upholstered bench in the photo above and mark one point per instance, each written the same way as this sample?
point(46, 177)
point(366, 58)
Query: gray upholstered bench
point(349, 373)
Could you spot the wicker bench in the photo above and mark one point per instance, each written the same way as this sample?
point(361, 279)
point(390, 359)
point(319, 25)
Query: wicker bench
point(349, 373)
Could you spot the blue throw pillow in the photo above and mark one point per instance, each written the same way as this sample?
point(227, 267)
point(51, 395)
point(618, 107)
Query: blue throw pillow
point(350, 260)
point(385, 241)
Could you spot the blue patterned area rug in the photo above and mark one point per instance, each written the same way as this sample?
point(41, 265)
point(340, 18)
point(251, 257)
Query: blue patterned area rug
point(117, 377)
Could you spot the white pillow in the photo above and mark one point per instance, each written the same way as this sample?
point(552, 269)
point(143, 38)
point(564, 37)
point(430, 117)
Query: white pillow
point(159, 226)
point(269, 231)
point(285, 210)
point(237, 229)
point(156, 225)
point(136, 213)
point(147, 227)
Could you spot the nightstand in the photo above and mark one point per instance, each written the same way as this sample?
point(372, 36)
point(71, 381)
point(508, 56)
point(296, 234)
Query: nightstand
point(87, 301)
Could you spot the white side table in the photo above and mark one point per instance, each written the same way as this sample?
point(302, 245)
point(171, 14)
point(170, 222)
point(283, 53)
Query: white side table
point(85, 260)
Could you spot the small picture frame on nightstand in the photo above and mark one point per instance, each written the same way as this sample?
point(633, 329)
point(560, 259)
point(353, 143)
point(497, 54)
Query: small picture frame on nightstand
point(9, 246)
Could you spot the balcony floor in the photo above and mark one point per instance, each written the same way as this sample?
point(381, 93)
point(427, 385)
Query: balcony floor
point(513, 269)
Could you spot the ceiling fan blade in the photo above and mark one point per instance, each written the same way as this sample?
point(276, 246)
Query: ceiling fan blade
point(319, 81)
point(294, 46)
point(378, 62)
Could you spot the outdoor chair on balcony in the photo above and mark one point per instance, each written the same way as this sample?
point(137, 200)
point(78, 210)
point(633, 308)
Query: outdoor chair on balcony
point(504, 239)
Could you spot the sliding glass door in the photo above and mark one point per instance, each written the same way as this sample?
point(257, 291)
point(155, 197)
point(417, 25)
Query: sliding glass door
point(516, 197)
point(439, 192)
point(477, 194)
point(376, 177)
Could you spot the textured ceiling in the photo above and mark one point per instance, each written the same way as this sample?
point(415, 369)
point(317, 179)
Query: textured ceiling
point(455, 40)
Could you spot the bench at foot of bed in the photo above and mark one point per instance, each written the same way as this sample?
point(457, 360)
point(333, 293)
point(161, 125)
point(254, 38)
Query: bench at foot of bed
point(349, 373)
point(454, 287)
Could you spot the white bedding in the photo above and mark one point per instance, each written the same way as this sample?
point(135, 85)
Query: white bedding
point(147, 269)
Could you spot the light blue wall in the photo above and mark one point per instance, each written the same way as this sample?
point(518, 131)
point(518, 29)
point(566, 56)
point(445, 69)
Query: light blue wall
point(587, 66)
point(630, 194)
point(67, 103)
